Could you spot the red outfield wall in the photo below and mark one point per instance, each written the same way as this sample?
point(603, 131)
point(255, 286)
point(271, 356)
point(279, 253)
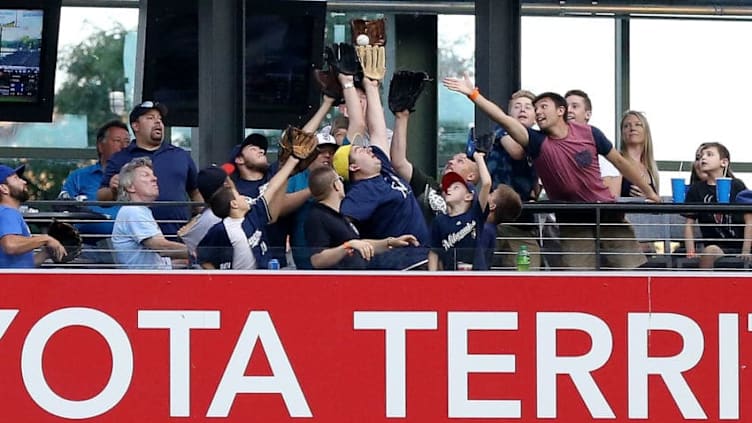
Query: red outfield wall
point(277, 347)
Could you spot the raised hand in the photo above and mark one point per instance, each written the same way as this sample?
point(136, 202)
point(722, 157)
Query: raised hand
point(464, 85)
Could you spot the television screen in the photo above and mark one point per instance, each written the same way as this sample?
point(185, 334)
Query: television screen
point(283, 41)
point(20, 54)
point(28, 52)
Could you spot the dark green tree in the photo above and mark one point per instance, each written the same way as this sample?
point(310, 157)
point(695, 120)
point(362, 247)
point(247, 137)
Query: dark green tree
point(95, 68)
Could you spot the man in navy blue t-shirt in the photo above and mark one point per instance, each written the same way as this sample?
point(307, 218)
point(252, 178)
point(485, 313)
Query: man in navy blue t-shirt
point(380, 203)
point(175, 170)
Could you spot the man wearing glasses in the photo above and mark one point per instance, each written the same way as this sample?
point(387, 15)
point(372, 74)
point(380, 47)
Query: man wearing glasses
point(175, 170)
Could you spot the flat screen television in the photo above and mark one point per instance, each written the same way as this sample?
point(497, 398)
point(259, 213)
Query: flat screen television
point(283, 43)
point(28, 56)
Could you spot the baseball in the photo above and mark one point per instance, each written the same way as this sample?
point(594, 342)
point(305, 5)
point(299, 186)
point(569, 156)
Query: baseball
point(362, 40)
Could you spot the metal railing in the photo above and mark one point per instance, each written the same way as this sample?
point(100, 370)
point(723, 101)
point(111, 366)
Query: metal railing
point(658, 228)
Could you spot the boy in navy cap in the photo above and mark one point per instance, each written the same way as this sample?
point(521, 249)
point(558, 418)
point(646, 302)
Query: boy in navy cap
point(454, 235)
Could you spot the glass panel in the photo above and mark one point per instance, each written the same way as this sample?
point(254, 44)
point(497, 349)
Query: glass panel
point(560, 54)
point(687, 77)
point(456, 54)
point(558, 70)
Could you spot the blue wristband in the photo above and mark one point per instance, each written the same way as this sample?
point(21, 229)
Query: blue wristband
point(499, 132)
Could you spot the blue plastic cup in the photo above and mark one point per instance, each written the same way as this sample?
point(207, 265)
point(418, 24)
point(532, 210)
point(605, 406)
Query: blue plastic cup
point(678, 189)
point(723, 190)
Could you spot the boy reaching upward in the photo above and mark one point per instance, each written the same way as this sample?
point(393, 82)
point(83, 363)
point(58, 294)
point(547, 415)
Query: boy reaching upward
point(454, 235)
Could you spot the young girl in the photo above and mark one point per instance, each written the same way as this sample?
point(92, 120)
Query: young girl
point(723, 232)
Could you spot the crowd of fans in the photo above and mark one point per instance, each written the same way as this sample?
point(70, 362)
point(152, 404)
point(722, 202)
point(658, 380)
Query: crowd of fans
point(355, 201)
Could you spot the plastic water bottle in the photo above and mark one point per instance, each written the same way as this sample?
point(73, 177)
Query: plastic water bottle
point(273, 264)
point(523, 259)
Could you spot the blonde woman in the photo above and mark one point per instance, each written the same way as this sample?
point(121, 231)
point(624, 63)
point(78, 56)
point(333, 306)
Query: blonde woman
point(637, 145)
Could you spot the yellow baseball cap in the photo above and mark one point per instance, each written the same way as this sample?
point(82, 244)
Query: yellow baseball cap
point(341, 161)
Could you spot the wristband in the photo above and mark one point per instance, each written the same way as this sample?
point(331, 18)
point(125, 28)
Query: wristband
point(389, 242)
point(473, 95)
point(348, 85)
point(348, 248)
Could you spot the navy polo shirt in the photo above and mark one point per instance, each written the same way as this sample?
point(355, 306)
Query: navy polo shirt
point(176, 176)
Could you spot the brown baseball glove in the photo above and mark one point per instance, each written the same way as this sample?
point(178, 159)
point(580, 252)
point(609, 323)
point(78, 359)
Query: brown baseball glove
point(375, 30)
point(67, 235)
point(299, 144)
point(329, 84)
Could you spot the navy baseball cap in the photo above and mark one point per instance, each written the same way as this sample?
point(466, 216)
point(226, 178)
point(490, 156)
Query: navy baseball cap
point(258, 140)
point(6, 171)
point(452, 177)
point(145, 107)
point(210, 180)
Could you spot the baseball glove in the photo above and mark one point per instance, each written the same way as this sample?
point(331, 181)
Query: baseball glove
point(375, 30)
point(373, 61)
point(67, 235)
point(404, 90)
point(299, 144)
point(481, 144)
point(342, 58)
point(329, 84)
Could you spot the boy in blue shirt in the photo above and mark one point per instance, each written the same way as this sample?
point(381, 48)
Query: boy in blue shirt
point(454, 235)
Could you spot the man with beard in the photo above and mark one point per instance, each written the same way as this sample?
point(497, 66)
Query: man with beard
point(251, 177)
point(175, 170)
point(17, 245)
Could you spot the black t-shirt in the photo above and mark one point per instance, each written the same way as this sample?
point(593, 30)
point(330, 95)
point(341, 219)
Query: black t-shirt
point(326, 228)
point(717, 226)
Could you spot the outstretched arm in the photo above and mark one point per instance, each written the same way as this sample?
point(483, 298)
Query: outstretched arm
point(627, 169)
point(290, 202)
point(485, 179)
point(165, 247)
point(398, 149)
point(315, 121)
point(278, 184)
point(356, 118)
point(375, 115)
point(513, 127)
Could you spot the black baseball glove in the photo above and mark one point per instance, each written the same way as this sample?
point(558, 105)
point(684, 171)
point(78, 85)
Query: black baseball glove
point(481, 143)
point(405, 89)
point(342, 58)
point(67, 235)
